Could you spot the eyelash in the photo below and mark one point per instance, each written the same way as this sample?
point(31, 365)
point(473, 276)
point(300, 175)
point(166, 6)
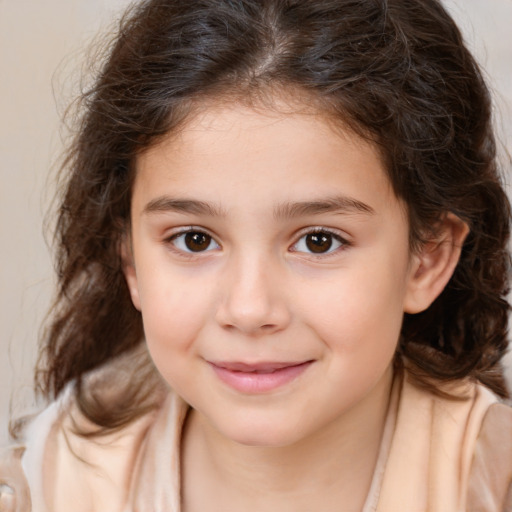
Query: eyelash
point(173, 239)
point(339, 242)
point(342, 243)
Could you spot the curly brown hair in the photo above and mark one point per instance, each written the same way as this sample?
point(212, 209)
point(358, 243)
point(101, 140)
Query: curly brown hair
point(395, 71)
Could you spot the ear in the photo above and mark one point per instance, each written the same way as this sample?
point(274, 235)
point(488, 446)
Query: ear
point(128, 266)
point(433, 265)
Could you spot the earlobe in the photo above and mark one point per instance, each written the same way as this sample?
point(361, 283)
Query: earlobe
point(434, 264)
point(129, 271)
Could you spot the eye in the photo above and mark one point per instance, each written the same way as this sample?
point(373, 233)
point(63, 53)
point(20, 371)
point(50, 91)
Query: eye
point(319, 242)
point(193, 241)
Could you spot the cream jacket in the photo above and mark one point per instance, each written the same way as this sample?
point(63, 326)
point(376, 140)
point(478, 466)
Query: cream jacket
point(436, 455)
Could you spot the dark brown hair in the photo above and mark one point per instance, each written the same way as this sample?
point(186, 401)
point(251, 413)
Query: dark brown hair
point(395, 71)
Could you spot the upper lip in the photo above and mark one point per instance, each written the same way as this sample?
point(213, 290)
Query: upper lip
point(266, 366)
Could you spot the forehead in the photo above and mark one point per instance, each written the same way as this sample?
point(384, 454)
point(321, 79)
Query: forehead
point(241, 153)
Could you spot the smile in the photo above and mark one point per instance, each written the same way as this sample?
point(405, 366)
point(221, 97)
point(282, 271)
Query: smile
point(260, 377)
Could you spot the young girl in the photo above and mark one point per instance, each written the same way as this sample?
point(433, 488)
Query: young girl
point(283, 268)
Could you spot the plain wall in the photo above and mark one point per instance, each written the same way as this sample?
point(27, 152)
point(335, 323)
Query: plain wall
point(41, 49)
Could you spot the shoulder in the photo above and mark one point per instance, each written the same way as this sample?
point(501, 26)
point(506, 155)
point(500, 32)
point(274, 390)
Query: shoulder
point(457, 444)
point(66, 462)
point(14, 490)
point(490, 483)
point(68, 466)
point(18, 481)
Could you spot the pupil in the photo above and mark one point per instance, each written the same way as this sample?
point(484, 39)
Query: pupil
point(197, 242)
point(319, 242)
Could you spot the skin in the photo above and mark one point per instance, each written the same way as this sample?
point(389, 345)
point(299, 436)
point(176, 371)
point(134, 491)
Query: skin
point(256, 186)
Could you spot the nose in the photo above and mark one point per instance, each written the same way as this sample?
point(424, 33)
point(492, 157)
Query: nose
point(253, 299)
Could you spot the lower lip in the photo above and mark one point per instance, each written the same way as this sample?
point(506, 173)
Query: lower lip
point(252, 382)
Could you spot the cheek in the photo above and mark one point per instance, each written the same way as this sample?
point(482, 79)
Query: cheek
point(174, 309)
point(359, 313)
point(173, 316)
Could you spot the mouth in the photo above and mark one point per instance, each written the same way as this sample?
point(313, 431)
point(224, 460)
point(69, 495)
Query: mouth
point(258, 377)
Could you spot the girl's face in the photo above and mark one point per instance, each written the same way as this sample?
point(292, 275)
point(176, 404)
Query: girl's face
point(271, 265)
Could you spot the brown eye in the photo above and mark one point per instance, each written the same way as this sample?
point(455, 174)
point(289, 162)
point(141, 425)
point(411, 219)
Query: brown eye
point(194, 241)
point(318, 242)
point(197, 242)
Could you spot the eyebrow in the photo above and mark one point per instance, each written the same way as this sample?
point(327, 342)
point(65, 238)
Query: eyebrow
point(338, 204)
point(168, 204)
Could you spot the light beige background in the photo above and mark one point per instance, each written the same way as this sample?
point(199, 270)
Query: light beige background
point(41, 52)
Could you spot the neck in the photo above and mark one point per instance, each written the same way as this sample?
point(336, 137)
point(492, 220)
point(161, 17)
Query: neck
point(332, 467)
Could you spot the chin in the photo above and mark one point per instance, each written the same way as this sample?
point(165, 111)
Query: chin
point(264, 441)
point(262, 434)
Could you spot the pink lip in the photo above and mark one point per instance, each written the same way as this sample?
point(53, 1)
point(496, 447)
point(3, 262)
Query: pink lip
point(259, 377)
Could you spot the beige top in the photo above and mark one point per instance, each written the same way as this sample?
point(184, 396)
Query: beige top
point(437, 455)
